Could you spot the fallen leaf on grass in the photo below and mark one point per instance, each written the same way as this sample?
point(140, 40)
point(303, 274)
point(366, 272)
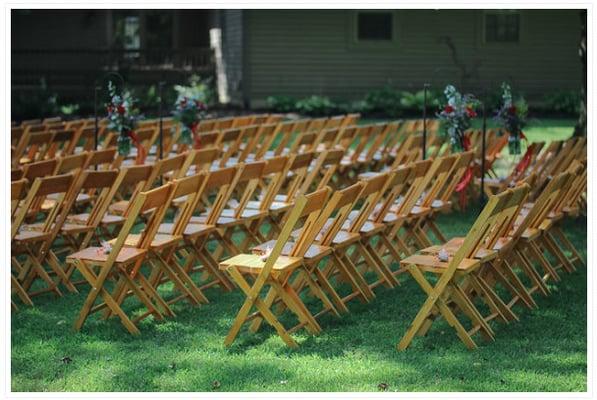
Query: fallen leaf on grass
point(383, 386)
point(216, 385)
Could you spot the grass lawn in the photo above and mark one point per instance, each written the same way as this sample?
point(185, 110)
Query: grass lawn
point(544, 351)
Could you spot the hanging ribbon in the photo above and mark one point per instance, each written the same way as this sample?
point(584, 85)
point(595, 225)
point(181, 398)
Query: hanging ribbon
point(141, 152)
point(525, 161)
point(196, 141)
point(467, 177)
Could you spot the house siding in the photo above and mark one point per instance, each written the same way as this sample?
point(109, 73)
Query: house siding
point(306, 52)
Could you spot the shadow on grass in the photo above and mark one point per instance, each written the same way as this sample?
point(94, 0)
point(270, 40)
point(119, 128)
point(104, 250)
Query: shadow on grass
point(545, 351)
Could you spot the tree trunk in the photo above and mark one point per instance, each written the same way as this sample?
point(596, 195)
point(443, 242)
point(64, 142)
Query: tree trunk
point(581, 125)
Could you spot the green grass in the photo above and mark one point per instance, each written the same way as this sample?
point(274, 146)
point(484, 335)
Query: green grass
point(545, 351)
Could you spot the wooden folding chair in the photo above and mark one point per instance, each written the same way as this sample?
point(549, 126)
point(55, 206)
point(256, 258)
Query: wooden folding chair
point(17, 194)
point(276, 272)
point(124, 263)
point(134, 179)
point(162, 170)
point(61, 144)
point(31, 242)
point(78, 231)
point(197, 161)
point(447, 293)
point(359, 226)
point(161, 251)
point(236, 216)
point(201, 230)
point(492, 252)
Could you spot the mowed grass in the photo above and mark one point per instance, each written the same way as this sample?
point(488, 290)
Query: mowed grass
point(545, 351)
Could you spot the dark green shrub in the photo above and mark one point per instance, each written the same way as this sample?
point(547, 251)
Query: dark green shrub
point(414, 101)
point(37, 103)
point(385, 100)
point(281, 104)
point(563, 102)
point(316, 106)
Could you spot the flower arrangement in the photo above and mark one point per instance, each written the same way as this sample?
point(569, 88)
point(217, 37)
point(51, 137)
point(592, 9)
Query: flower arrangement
point(512, 117)
point(190, 108)
point(122, 119)
point(189, 112)
point(456, 116)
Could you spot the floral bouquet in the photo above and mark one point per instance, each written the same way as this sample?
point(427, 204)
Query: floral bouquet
point(190, 108)
point(122, 119)
point(189, 112)
point(512, 117)
point(456, 116)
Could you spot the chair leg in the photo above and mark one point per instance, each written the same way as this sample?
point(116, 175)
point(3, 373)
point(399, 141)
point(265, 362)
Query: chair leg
point(253, 300)
point(16, 286)
point(557, 231)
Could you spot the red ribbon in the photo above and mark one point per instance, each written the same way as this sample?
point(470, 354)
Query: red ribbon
point(141, 152)
point(525, 162)
point(462, 185)
point(196, 141)
point(467, 177)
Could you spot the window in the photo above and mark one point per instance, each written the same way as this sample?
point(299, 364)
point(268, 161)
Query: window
point(377, 26)
point(502, 27)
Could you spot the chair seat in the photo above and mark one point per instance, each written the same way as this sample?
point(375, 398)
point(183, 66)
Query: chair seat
point(454, 244)
point(531, 234)
point(190, 229)
point(75, 228)
point(247, 213)
point(431, 263)
point(252, 263)
point(27, 236)
point(275, 206)
point(107, 219)
point(119, 207)
point(418, 210)
point(313, 252)
point(367, 175)
point(159, 241)
point(96, 255)
point(222, 221)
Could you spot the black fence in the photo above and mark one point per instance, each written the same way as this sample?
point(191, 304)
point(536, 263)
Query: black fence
point(70, 75)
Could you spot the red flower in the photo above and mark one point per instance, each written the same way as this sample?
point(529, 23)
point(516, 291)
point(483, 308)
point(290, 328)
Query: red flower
point(121, 110)
point(470, 112)
point(110, 108)
point(512, 110)
point(448, 109)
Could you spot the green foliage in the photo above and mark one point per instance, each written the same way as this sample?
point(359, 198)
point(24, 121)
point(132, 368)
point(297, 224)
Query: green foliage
point(281, 104)
point(316, 106)
point(563, 102)
point(38, 103)
point(197, 89)
point(397, 103)
point(414, 101)
point(69, 109)
point(386, 100)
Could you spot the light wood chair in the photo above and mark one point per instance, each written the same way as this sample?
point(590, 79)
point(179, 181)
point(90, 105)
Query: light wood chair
point(447, 290)
point(123, 263)
point(275, 272)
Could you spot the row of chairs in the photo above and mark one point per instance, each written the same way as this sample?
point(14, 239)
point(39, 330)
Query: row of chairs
point(256, 187)
point(509, 235)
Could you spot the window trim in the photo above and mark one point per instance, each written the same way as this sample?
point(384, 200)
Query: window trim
point(498, 11)
point(353, 36)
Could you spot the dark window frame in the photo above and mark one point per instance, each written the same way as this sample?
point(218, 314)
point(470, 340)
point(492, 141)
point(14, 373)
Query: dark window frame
point(382, 37)
point(507, 38)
